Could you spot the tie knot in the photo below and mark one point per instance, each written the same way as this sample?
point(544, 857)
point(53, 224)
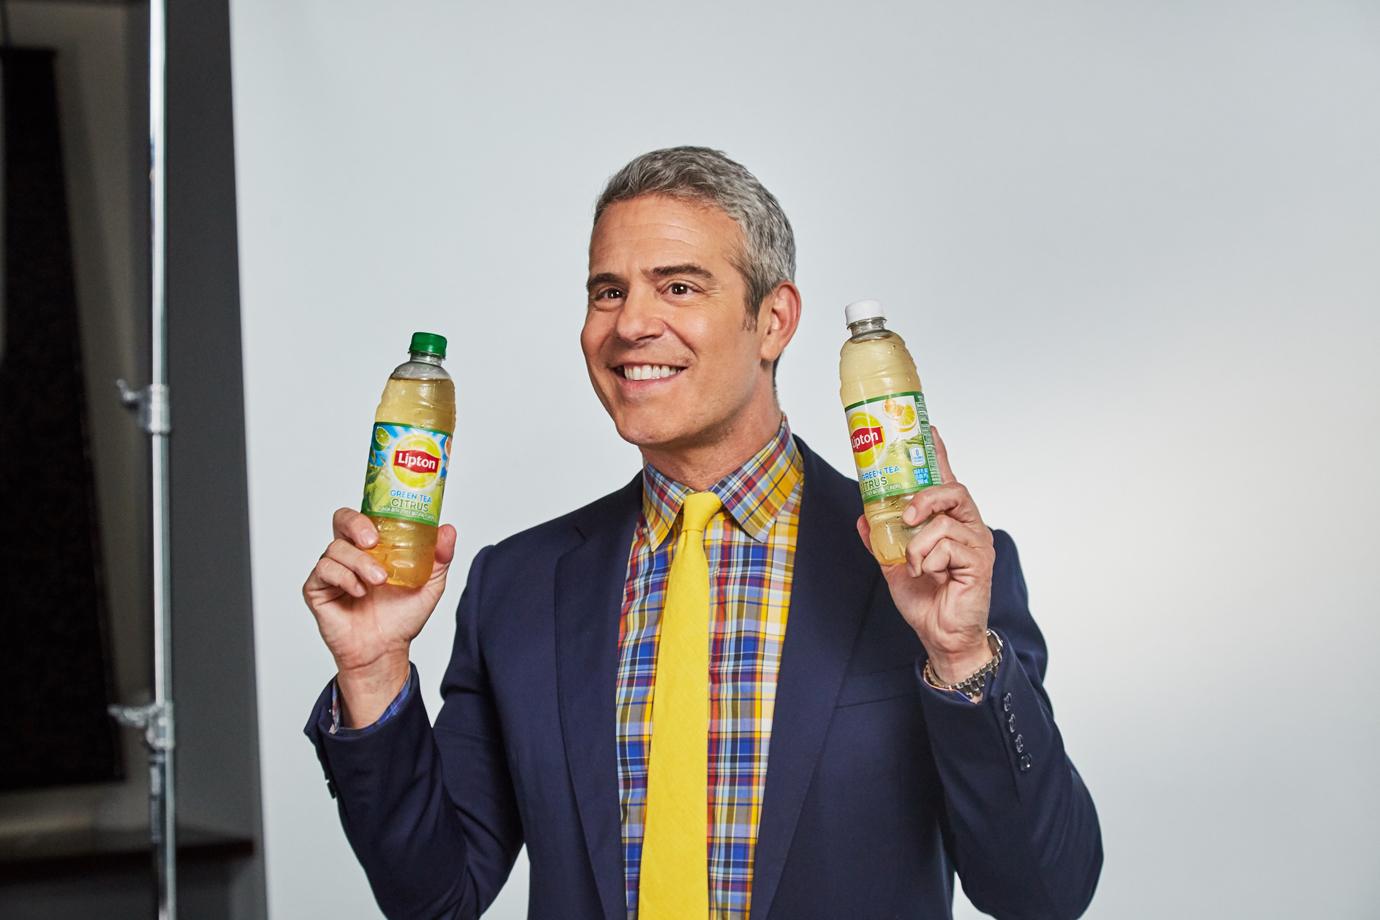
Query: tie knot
point(699, 507)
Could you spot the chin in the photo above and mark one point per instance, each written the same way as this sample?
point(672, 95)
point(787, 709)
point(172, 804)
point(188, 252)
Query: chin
point(649, 432)
point(640, 435)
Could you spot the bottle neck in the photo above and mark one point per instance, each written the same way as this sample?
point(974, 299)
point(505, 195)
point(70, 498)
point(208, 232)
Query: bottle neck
point(422, 357)
point(867, 326)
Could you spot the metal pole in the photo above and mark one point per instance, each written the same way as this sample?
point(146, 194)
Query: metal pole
point(152, 403)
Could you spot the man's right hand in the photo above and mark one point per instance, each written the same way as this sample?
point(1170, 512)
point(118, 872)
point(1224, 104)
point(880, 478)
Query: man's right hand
point(368, 625)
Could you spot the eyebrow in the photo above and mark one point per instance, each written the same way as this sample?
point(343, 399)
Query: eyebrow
point(602, 278)
point(660, 271)
point(687, 268)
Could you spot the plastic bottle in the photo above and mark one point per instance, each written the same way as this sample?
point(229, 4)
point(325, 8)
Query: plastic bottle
point(409, 456)
point(887, 424)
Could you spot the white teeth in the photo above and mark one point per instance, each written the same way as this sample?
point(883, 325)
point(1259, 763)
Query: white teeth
point(649, 371)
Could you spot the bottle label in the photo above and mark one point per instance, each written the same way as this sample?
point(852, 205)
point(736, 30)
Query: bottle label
point(407, 473)
point(892, 447)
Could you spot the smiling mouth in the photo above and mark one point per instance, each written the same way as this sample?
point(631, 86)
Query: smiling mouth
point(647, 371)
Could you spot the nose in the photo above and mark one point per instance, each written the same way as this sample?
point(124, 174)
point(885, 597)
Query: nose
point(639, 317)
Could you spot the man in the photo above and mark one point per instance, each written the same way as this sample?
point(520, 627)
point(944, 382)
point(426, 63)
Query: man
point(699, 696)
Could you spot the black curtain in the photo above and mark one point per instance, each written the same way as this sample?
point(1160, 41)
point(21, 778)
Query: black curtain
point(53, 637)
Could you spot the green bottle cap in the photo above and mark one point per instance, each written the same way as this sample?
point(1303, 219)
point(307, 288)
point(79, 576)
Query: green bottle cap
point(428, 343)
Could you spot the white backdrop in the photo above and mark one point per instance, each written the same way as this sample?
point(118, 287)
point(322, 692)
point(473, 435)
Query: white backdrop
point(1135, 248)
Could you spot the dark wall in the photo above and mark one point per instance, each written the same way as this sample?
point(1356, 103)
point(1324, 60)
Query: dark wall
point(218, 769)
point(213, 683)
point(213, 637)
point(60, 732)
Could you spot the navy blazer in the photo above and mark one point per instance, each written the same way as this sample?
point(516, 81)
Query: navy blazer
point(878, 787)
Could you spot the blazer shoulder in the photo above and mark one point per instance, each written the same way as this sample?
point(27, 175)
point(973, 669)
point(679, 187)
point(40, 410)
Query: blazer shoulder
point(559, 532)
point(822, 479)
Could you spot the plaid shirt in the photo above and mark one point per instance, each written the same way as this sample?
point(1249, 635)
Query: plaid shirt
point(750, 547)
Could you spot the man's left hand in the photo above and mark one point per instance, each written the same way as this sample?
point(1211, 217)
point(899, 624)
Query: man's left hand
point(944, 588)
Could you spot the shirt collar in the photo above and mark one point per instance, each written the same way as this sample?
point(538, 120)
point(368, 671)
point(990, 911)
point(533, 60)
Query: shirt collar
point(753, 494)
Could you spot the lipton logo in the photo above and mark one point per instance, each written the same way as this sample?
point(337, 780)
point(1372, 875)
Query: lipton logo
point(866, 439)
point(416, 461)
point(867, 434)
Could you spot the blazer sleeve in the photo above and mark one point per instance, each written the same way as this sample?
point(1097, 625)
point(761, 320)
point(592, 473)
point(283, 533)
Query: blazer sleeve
point(430, 812)
point(1020, 825)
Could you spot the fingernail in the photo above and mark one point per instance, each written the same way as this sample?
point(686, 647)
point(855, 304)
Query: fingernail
point(378, 575)
point(910, 515)
point(911, 569)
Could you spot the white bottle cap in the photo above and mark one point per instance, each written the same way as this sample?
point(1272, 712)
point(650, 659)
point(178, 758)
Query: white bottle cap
point(860, 310)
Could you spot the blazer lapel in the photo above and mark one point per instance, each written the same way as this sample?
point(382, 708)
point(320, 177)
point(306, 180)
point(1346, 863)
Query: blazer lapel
point(829, 595)
point(589, 596)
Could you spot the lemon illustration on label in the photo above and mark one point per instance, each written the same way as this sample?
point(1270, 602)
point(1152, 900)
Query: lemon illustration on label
point(867, 436)
point(902, 412)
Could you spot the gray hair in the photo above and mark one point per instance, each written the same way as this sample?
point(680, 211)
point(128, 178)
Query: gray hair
point(708, 176)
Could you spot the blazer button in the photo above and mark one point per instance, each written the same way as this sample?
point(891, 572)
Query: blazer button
point(1006, 702)
point(1025, 762)
point(1020, 743)
point(1011, 723)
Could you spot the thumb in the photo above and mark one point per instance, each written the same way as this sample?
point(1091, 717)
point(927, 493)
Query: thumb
point(445, 544)
point(942, 453)
point(865, 532)
point(444, 554)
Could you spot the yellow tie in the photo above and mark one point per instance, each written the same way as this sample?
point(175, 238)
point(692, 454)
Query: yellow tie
point(674, 882)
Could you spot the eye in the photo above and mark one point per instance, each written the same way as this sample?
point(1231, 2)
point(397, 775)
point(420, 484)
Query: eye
point(679, 288)
point(607, 294)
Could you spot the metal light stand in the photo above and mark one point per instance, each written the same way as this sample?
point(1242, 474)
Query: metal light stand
point(155, 418)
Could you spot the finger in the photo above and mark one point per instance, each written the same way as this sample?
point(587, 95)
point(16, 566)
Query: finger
point(333, 574)
point(937, 561)
point(943, 527)
point(357, 560)
point(949, 557)
point(950, 498)
point(355, 527)
point(946, 472)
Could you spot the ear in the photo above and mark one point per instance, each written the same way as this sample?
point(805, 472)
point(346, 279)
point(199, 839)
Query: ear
point(777, 320)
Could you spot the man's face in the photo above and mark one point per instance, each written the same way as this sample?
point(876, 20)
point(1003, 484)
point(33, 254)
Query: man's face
point(665, 337)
